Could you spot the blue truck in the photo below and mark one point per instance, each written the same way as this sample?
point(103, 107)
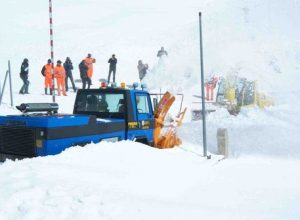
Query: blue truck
point(104, 114)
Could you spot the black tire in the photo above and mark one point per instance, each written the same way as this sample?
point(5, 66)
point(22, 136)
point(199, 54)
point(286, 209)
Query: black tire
point(142, 140)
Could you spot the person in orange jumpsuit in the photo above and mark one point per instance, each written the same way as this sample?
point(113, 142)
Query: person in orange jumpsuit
point(210, 86)
point(89, 62)
point(60, 76)
point(47, 73)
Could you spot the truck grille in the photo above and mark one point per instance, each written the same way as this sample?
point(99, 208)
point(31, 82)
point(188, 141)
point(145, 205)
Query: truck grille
point(17, 140)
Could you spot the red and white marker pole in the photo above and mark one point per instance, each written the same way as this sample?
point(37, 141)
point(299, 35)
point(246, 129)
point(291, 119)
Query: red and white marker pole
point(52, 50)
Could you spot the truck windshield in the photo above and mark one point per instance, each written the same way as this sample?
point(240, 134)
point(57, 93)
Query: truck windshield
point(100, 104)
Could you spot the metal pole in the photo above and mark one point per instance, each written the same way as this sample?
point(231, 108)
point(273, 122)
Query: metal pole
point(202, 90)
point(51, 49)
point(0, 90)
point(0, 87)
point(10, 85)
point(3, 86)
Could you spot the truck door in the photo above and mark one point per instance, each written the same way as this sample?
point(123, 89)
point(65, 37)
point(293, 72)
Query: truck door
point(144, 112)
point(145, 116)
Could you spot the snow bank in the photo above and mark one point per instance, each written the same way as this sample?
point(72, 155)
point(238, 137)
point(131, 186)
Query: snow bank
point(132, 181)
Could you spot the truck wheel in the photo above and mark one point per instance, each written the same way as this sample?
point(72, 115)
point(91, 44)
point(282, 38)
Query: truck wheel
point(81, 144)
point(142, 141)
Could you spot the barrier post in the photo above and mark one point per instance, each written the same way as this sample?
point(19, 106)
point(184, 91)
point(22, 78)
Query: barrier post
point(52, 49)
point(222, 139)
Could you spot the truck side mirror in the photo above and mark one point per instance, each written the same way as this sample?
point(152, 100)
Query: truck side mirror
point(155, 103)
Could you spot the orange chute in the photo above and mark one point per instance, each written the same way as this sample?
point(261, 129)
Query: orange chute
point(165, 137)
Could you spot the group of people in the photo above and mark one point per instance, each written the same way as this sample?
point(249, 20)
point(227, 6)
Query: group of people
point(62, 72)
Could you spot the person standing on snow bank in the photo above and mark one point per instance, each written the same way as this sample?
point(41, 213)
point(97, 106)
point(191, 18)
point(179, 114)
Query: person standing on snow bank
point(142, 68)
point(47, 73)
point(162, 52)
point(89, 62)
point(68, 68)
point(83, 69)
point(24, 76)
point(112, 68)
point(60, 76)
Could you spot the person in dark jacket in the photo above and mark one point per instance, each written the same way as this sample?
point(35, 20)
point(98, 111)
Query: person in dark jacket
point(83, 69)
point(102, 105)
point(24, 76)
point(112, 68)
point(68, 68)
point(162, 52)
point(142, 68)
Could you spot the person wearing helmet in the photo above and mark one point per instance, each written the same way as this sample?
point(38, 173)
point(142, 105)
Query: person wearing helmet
point(89, 62)
point(47, 72)
point(60, 76)
point(24, 76)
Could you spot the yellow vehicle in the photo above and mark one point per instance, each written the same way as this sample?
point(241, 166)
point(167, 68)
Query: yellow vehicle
point(241, 92)
point(234, 93)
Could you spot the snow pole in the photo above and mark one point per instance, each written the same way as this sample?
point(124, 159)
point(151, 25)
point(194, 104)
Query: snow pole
point(202, 90)
point(10, 85)
point(51, 49)
point(7, 75)
point(3, 88)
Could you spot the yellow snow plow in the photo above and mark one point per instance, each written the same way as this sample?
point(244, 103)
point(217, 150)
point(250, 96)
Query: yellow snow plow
point(232, 93)
point(165, 131)
point(242, 93)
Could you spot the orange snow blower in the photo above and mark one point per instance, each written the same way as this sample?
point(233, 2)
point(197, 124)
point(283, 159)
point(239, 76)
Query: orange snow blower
point(165, 135)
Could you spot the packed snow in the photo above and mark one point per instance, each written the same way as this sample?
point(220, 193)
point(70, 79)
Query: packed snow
point(256, 39)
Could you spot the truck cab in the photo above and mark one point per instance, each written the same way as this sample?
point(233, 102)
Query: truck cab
point(129, 109)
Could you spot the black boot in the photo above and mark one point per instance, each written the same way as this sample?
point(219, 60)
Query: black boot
point(46, 91)
point(50, 91)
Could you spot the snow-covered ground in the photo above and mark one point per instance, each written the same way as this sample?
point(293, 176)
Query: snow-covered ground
point(132, 181)
point(256, 39)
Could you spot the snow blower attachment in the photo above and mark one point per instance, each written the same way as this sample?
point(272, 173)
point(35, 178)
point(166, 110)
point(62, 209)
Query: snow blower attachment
point(164, 136)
